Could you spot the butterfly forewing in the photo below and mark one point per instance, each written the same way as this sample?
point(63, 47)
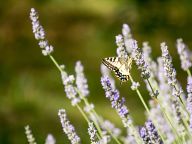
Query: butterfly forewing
point(119, 65)
point(112, 63)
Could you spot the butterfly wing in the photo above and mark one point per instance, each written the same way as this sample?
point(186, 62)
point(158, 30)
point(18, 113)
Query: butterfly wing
point(112, 63)
point(119, 65)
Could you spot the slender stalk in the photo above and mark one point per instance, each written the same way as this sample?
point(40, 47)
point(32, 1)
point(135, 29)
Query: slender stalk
point(95, 122)
point(100, 120)
point(55, 62)
point(140, 96)
point(188, 72)
point(108, 130)
point(146, 108)
point(86, 118)
point(151, 88)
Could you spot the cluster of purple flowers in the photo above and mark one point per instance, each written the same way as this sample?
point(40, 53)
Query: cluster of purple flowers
point(39, 33)
point(149, 134)
point(170, 116)
point(116, 102)
point(68, 129)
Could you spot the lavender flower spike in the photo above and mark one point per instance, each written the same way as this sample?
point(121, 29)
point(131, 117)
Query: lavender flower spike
point(68, 129)
point(121, 51)
point(138, 56)
point(184, 55)
point(154, 136)
point(81, 81)
point(126, 31)
point(92, 133)
point(30, 138)
point(70, 90)
point(149, 134)
point(39, 33)
point(170, 72)
point(118, 104)
point(189, 99)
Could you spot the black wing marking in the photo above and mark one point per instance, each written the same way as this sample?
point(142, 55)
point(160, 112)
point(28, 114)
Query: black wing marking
point(109, 65)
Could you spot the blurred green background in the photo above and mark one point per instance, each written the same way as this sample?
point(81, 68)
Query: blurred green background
point(30, 85)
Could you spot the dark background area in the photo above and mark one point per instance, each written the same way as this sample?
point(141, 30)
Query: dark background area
point(31, 91)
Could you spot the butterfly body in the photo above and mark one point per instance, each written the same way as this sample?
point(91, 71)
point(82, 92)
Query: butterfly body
point(120, 66)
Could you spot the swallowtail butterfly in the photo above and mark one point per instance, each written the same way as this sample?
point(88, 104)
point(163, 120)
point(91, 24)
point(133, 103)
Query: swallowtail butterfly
point(120, 66)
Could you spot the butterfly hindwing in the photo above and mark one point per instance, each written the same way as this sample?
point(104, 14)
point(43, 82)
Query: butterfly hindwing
point(119, 65)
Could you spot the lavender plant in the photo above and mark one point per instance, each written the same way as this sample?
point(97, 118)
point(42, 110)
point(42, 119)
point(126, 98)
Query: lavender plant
point(169, 112)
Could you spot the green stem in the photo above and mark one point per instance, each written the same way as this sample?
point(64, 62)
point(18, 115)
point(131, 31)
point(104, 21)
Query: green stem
point(55, 62)
point(140, 96)
point(151, 88)
point(188, 72)
point(97, 116)
point(108, 130)
point(147, 109)
point(182, 103)
point(95, 122)
point(86, 118)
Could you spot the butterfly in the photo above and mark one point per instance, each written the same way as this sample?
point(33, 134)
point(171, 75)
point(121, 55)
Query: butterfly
point(120, 66)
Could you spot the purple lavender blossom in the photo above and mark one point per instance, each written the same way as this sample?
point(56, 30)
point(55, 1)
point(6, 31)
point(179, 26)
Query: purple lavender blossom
point(167, 90)
point(177, 112)
point(81, 81)
point(92, 133)
point(153, 134)
point(139, 59)
point(106, 72)
point(149, 134)
point(39, 33)
point(189, 99)
point(170, 72)
point(116, 102)
point(70, 90)
point(152, 65)
point(184, 54)
point(144, 135)
point(68, 129)
point(121, 51)
point(126, 31)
